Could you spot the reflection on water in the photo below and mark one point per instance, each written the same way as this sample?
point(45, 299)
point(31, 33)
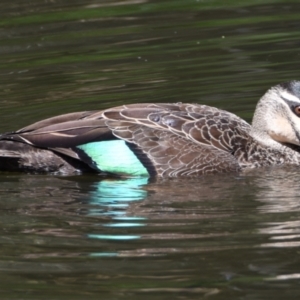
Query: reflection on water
point(117, 193)
point(182, 227)
point(279, 191)
point(112, 198)
point(279, 195)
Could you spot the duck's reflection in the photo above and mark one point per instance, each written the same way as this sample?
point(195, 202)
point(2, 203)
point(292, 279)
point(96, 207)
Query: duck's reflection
point(280, 204)
point(112, 198)
point(100, 212)
point(116, 194)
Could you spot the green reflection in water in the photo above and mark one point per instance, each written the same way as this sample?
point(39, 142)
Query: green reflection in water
point(104, 254)
point(129, 218)
point(113, 197)
point(125, 225)
point(114, 237)
point(112, 192)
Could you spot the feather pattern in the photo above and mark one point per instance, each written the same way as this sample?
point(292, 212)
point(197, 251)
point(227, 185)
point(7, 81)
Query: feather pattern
point(177, 139)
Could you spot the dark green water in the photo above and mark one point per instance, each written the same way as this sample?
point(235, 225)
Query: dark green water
point(232, 237)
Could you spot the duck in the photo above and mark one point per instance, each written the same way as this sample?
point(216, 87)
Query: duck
point(160, 139)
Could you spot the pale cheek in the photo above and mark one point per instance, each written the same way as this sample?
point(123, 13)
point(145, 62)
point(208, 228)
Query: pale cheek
point(282, 131)
point(282, 137)
point(296, 121)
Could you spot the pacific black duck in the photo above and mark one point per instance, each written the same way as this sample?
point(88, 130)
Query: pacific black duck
point(160, 139)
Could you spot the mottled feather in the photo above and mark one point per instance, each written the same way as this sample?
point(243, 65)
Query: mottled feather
point(169, 139)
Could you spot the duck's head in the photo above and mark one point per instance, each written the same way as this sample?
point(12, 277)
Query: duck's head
point(276, 120)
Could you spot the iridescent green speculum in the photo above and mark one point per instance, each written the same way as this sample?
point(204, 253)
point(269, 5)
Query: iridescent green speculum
point(114, 157)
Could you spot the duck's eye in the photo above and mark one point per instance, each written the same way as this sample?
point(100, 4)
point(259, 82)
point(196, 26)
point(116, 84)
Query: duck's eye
point(297, 111)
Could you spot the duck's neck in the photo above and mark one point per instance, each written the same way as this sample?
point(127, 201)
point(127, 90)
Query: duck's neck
point(263, 122)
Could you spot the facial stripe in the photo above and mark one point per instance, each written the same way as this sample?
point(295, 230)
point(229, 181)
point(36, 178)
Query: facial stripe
point(288, 97)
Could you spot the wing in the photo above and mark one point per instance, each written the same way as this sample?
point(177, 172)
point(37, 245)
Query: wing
point(62, 131)
point(167, 154)
point(61, 134)
point(169, 139)
point(200, 124)
point(180, 139)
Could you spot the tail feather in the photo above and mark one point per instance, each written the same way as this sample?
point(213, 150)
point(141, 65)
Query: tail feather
point(16, 156)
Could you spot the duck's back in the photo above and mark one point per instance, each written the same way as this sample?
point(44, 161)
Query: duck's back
point(138, 139)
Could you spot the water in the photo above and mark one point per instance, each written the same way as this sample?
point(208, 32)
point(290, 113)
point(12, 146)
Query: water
point(219, 237)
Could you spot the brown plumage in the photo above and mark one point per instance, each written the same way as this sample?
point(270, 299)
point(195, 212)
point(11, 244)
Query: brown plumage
point(169, 139)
